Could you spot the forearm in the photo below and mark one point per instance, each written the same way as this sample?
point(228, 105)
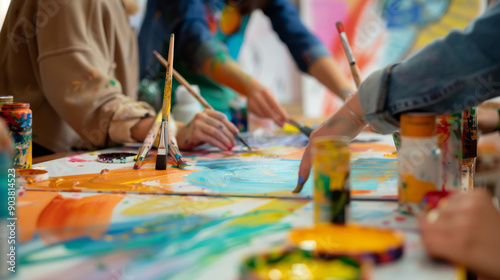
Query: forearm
point(327, 72)
point(348, 121)
point(222, 69)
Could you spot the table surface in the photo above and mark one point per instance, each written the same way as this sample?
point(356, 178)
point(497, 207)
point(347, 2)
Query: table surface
point(124, 235)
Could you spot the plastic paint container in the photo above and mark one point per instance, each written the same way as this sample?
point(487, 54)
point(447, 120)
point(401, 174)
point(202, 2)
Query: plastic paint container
point(419, 161)
point(18, 117)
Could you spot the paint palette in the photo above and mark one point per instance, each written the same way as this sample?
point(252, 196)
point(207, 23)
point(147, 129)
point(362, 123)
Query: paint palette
point(299, 264)
point(331, 241)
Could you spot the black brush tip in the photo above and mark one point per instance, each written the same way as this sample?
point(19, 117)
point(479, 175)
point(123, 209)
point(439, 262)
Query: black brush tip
point(161, 162)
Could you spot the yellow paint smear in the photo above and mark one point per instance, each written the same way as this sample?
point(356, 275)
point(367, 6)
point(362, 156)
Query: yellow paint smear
point(346, 239)
point(183, 205)
point(270, 212)
point(415, 189)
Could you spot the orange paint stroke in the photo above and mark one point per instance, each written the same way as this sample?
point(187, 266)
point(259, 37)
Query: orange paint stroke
point(371, 147)
point(357, 192)
point(119, 180)
point(29, 207)
point(70, 218)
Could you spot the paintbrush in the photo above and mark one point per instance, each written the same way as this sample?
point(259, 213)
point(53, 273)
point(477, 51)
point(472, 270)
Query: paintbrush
point(174, 152)
point(148, 142)
point(161, 157)
point(304, 129)
point(348, 52)
point(198, 97)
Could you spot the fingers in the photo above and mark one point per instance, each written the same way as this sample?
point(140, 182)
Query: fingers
point(279, 114)
point(222, 118)
point(304, 169)
point(215, 133)
point(263, 104)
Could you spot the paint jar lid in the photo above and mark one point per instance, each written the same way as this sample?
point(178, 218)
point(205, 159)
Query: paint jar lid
point(7, 98)
point(418, 125)
point(13, 106)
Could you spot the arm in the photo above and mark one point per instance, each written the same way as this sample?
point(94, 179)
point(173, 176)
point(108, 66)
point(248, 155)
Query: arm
point(202, 53)
point(308, 52)
point(86, 94)
point(347, 121)
point(449, 75)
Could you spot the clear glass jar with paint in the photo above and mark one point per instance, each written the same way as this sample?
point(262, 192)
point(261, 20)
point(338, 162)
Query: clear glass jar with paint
point(419, 161)
point(18, 117)
point(331, 167)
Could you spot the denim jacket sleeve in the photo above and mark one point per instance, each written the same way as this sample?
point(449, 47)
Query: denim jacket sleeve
point(303, 45)
point(449, 75)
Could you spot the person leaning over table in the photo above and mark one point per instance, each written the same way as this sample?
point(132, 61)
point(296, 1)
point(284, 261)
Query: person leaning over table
point(449, 75)
point(76, 63)
point(210, 35)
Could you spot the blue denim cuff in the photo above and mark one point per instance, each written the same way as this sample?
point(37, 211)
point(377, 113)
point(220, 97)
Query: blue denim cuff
point(373, 98)
point(311, 55)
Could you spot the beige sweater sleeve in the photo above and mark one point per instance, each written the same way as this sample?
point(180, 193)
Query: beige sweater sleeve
point(77, 61)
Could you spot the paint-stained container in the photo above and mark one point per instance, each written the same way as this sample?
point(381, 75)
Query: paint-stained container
point(6, 100)
point(300, 264)
point(239, 115)
point(331, 167)
point(469, 147)
point(18, 117)
point(449, 132)
point(419, 161)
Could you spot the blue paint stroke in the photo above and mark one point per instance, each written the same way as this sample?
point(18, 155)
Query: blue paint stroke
point(234, 175)
point(366, 172)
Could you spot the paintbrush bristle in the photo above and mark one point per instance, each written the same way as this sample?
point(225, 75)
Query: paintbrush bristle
point(161, 162)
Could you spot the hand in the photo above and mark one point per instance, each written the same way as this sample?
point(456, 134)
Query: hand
point(342, 123)
point(5, 139)
point(262, 103)
point(210, 127)
point(465, 229)
point(487, 120)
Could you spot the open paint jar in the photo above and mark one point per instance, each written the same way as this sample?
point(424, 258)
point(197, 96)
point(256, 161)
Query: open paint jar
point(282, 264)
point(330, 241)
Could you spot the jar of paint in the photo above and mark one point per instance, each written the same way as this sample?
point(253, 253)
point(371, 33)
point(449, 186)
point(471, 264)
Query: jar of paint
point(18, 117)
point(6, 100)
point(331, 167)
point(469, 147)
point(239, 115)
point(419, 161)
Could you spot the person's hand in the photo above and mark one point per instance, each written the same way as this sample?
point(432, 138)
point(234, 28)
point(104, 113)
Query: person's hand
point(262, 103)
point(210, 127)
point(465, 229)
point(487, 120)
point(345, 122)
point(5, 138)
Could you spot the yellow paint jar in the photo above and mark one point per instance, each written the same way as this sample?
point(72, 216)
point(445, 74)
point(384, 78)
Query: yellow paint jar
point(331, 167)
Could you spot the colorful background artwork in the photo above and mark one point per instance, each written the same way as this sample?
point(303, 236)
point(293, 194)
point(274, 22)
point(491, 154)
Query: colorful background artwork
point(268, 171)
point(381, 32)
point(127, 236)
